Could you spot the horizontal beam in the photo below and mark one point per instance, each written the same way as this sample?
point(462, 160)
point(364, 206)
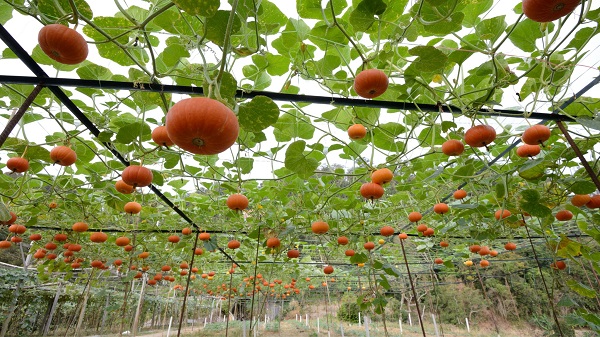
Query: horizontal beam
point(276, 96)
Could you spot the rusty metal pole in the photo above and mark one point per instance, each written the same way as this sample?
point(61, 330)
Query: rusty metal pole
point(579, 154)
point(19, 114)
point(187, 285)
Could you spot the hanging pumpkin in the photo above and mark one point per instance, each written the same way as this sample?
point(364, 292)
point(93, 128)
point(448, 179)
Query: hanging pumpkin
point(63, 155)
point(63, 44)
point(480, 135)
point(237, 202)
point(17, 164)
point(548, 10)
point(202, 125)
point(137, 176)
point(371, 83)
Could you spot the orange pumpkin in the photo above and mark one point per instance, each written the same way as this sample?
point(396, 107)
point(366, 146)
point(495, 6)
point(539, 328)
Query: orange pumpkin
point(35, 237)
point(160, 136)
point(580, 199)
point(371, 83)
point(527, 151)
point(17, 164)
point(233, 244)
point(357, 131)
point(484, 263)
point(61, 237)
point(386, 231)
point(5, 244)
point(536, 134)
point(293, 253)
point(173, 238)
point(319, 227)
point(453, 147)
point(204, 236)
point(63, 155)
point(548, 10)
point(186, 231)
point(480, 135)
point(594, 202)
point(98, 237)
point(502, 213)
point(429, 232)
point(122, 241)
point(441, 208)
point(123, 187)
point(349, 252)
point(402, 236)
point(369, 245)
point(342, 240)
point(444, 244)
point(13, 218)
point(328, 270)
point(80, 227)
point(237, 202)
point(414, 216)
point(382, 176)
point(422, 227)
point(273, 242)
point(459, 194)
point(132, 207)
point(371, 191)
point(474, 248)
point(63, 44)
point(564, 215)
point(202, 125)
point(438, 261)
point(510, 246)
point(137, 176)
point(17, 229)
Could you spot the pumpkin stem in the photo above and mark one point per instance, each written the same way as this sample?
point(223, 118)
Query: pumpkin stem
point(198, 142)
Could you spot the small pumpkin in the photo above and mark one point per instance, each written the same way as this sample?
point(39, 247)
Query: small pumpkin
point(580, 199)
point(17, 229)
point(444, 244)
point(536, 135)
point(319, 227)
point(480, 135)
point(438, 260)
point(202, 125)
point(349, 252)
point(429, 231)
point(60, 237)
point(422, 228)
point(328, 270)
point(122, 241)
point(13, 218)
point(371, 191)
point(371, 83)
point(502, 213)
point(369, 245)
point(35, 237)
point(564, 215)
point(173, 238)
point(98, 237)
point(4, 244)
point(233, 244)
point(441, 208)
point(161, 137)
point(204, 236)
point(186, 231)
point(386, 231)
point(414, 217)
point(594, 201)
point(293, 253)
point(484, 263)
point(528, 151)
point(459, 194)
point(80, 227)
point(548, 10)
point(63, 156)
point(237, 202)
point(17, 164)
point(273, 243)
point(123, 187)
point(357, 131)
point(342, 240)
point(63, 44)
point(137, 176)
point(402, 236)
point(382, 176)
point(132, 207)
point(510, 246)
point(453, 147)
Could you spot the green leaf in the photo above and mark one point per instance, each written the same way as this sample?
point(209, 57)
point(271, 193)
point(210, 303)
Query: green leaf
point(258, 114)
point(359, 258)
point(500, 189)
point(312, 9)
point(533, 169)
point(293, 124)
point(94, 71)
point(297, 161)
point(216, 26)
point(430, 59)
point(582, 187)
point(491, 29)
point(530, 195)
point(54, 10)
point(568, 248)
point(5, 12)
point(4, 212)
point(581, 37)
point(363, 16)
point(589, 122)
point(245, 164)
point(120, 27)
point(581, 289)
point(130, 132)
point(536, 209)
point(205, 8)
point(525, 35)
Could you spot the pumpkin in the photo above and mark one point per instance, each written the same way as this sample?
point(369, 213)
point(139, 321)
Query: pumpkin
point(548, 10)
point(128, 248)
point(429, 232)
point(202, 125)
point(123, 187)
point(382, 176)
point(143, 255)
point(594, 202)
point(51, 256)
point(96, 264)
point(237, 202)
point(63, 44)
point(183, 265)
point(485, 250)
point(493, 253)
point(484, 263)
point(80, 227)
point(13, 218)
point(98, 237)
point(371, 83)
point(357, 131)
point(441, 208)
point(233, 244)
point(527, 151)
point(173, 238)
point(132, 207)
point(480, 135)
point(17, 229)
point(371, 191)
point(17, 164)
point(459, 194)
point(198, 251)
point(422, 227)
point(386, 231)
point(50, 246)
point(158, 277)
point(510, 246)
point(74, 247)
point(560, 265)
point(474, 248)
point(319, 227)
point(328, 270)
point(402, 236)
point(369, 245)
point(564, 215)
point(349, 252)
point(414, 216)
point(204, 236)
point(159, 136)
point(52, 205)
point(342, 240)
point(35, 237)
point(536, 134)
point(61, 237)
point(39, 254)
point(16, 239)
point(4, 244)
point(580, 199)
point(165, 268)
point(63, 155)
point(438, 261)
point(453, 147)
point(444, 244)
point(293, 253)
point(273, 242)
point(137, 176)
point(502, 213)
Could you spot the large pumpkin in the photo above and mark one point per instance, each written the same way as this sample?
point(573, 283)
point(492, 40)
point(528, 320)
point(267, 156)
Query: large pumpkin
point(480, 135)
point(63, 44)
point(137, 176)
point(202, 125)
point(371, 83)
point(63, 155)
point(548, 10)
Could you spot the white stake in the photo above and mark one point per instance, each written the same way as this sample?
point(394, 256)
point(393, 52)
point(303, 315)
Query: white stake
point(400, 323)
point(169, 329)
point(367, 332)
point(342, 329)
point(359, 318)
point(435, 325)
point(409, 319)
point(204, 322)
point(467, 321)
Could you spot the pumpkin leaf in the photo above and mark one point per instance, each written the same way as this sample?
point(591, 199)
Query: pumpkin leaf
point(206, 8)
point(258, 114)
point(297, 161)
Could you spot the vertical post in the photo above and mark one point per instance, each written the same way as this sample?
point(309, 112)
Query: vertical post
point(437, 334)
point(169, 329)
point(19, 114)
point(244, 328)
point(342, 329)
point(367, 332)
point(412, 286)
point(204, 322)
point(467, 322)
point(187, 284)
point(400, 324)
point(359, 318)
point(138, 310)
point(409, 319)
point(296, 317)
point(52, 310)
